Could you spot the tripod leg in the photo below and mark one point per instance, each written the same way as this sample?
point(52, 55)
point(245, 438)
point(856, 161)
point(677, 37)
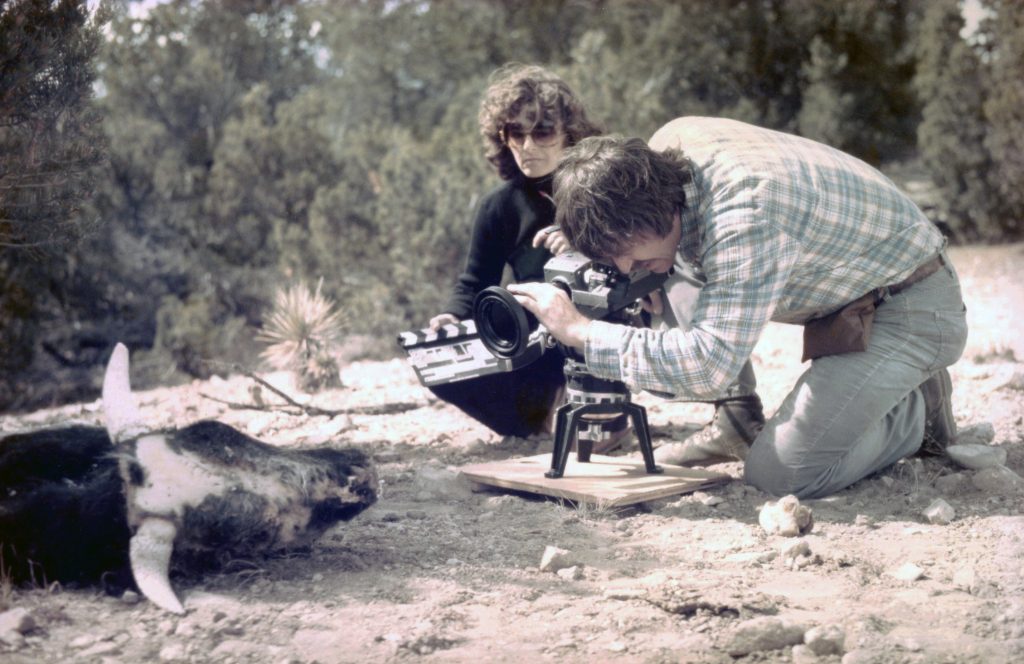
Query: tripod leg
point(584, 447)
point(565, 428)
point(638, 415)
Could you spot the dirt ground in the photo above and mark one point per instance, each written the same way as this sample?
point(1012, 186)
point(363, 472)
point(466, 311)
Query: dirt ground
point(441, 570)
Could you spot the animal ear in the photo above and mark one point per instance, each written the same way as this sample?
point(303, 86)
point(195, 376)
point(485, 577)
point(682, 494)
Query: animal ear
point(120, 412)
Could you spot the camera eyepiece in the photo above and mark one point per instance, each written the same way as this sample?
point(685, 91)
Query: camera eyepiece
point(503, 324)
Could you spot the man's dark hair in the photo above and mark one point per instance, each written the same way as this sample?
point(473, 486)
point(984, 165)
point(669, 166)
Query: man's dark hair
point(612, 191)
point(547, 97)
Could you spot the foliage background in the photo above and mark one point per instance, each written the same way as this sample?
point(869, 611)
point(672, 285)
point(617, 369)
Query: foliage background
point(164, 172)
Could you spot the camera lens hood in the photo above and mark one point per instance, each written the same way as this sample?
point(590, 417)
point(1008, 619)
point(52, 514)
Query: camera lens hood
point(503, 324)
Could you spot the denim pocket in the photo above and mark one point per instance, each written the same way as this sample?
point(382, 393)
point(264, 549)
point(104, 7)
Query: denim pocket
point(951, 330)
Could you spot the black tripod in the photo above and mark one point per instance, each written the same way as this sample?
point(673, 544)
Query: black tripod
point(592, 406)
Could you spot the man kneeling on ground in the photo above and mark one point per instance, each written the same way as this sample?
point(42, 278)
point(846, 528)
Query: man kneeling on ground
point(782, 229)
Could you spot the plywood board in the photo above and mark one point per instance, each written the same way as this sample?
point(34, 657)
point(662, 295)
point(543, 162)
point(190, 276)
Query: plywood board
point(606, 480)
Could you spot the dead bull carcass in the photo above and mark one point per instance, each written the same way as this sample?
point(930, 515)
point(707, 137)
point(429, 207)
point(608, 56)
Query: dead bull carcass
point(86, 505)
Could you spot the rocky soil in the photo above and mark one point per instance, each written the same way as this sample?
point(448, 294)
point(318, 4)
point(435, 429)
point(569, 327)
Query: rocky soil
point(441, 570)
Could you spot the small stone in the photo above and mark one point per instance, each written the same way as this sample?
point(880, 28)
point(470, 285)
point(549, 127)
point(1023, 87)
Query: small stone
point(786, 517)
point(965, 578)
point(707, 499)
point(977, 457)
point(825, 639)
point(801, 654)
point(130, 597)
point(624, 593)
point(173, 652)
point(101, 648)
point(907, 572)
point(1016, 382)
point(555, 559)
point(12, 640)
point(998, 479)
point(573, 573)
point(791, 549)
point(17, 620)
point(864, 520)
point(761, 634)
point(939, 512)
point(83, 641)
point(952, 484)
point(976, 434)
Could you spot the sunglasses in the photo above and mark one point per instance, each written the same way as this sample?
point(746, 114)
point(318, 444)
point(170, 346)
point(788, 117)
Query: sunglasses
point(544, 134)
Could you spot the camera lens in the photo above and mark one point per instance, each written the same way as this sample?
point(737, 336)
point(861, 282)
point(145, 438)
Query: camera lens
point(503, 324)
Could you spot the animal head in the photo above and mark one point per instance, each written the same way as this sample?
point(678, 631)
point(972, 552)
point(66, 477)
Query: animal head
point(208, 490)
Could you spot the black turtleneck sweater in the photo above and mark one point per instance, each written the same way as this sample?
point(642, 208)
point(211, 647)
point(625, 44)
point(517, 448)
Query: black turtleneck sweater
point(506, 221)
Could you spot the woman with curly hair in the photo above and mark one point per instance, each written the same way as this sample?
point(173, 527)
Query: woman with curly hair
point(528, 117)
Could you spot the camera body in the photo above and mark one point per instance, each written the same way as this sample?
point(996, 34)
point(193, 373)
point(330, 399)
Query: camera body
point(502, 336)
point(599, 292)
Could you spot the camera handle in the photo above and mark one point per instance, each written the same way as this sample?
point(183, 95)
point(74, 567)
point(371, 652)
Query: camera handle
point(587, 397)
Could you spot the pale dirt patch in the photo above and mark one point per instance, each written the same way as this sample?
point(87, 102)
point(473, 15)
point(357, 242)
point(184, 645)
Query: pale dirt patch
point(439, 572)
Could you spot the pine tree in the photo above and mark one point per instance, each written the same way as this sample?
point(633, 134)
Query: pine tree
point(951, 135)
point(1004, 109)
point(49, 145)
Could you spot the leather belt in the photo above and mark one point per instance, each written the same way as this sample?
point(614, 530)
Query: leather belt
point(925, 270)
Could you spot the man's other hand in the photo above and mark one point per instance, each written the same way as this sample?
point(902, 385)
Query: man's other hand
point(553, 308)
point(440, 320)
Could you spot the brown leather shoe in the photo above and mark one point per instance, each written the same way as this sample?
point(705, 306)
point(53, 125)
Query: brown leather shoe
point(726, 438)
point(939, 424)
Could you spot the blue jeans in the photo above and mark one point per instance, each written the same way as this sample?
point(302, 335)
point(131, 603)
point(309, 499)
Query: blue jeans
point(853, 414)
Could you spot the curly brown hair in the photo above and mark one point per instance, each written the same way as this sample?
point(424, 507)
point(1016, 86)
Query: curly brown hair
point(516, 86)
point(611, 191)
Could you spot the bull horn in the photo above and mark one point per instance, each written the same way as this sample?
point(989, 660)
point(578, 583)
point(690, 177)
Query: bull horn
point(120, 412)
point(150, 554)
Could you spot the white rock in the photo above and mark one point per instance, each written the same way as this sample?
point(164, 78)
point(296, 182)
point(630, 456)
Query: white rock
point(998, 479)
point(17, 620)
point(258, 424)
point(952, 484)
point(939, 512)
point(825, 639)
point(764, 633)
point(1016, 381)
point(173, 652)
point(907, 572)
point(965, 578)
point(977, 457)
point(708, 499)
point(794, 548)
point(573, 573)
point(786, 517)
point(976, 434)
point(801, 654)
point(83, 641)
point(555, 559)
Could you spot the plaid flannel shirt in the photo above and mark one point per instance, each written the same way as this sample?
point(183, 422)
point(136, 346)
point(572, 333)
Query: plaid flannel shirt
point(784, 229)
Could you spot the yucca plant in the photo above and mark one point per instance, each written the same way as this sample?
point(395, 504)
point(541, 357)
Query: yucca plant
point(303, 331)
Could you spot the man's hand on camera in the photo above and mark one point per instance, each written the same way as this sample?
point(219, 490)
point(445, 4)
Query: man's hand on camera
point(553, 239)
point(440, 320)
point(555, 311)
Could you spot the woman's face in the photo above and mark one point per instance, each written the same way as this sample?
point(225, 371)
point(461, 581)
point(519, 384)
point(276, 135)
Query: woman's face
point(536, 148)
